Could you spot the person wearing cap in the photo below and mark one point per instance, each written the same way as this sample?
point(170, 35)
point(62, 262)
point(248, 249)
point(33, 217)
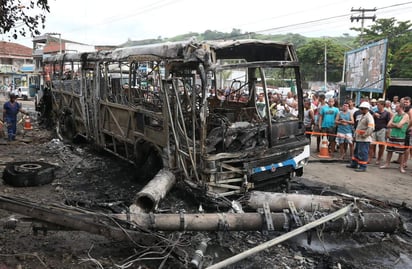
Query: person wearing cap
point(363, 132)
point(10, 110)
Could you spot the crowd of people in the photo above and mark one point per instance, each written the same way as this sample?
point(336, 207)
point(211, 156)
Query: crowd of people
point(362, 134)
point(280, 106)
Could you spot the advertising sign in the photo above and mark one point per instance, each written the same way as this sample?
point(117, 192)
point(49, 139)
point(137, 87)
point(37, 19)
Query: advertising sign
point(366, 67)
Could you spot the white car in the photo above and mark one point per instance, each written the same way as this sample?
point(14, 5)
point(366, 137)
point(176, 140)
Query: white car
point(23, 92)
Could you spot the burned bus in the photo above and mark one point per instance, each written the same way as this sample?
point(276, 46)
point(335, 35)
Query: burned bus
point(203, 110)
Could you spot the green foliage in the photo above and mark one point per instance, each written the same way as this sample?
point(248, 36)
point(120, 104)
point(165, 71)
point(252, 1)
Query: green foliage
point(397, 32)
point(296, 39)
point(403, 60)
point(399, 36)
point(312, 59)
point(18, 18)
point(186, 37)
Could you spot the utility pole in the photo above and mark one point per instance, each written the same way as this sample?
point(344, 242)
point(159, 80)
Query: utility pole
point(326, 67)
point(362, 18)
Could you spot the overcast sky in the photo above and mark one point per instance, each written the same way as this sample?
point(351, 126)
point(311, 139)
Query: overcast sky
point(98, 22)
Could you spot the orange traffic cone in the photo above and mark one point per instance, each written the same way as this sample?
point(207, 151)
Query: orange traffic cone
point(324, 148)
point(27, 123)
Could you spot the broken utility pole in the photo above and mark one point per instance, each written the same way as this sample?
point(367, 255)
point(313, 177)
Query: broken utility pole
point(362, 18)
point(333, 216)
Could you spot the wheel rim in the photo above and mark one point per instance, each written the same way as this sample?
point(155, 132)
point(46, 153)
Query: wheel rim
point(28, 167)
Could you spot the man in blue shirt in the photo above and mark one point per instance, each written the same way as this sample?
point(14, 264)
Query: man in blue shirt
point(327, 125)
point(10, 111)
point(344, 137)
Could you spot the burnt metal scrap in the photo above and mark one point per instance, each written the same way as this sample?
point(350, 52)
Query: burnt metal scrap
point(289, 214)
point(278, 212)
point(171, 106)
point(235, 137)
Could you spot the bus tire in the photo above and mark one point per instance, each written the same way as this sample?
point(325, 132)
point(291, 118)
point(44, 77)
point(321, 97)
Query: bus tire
point(28, 174)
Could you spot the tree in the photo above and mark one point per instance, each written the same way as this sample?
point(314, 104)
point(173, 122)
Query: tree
point(403, 60)
point(214, 35)
point(19, 19)
point(312, 55)
point(397, 32)
point(399, 36)
point(296, 39)
point(236, 33)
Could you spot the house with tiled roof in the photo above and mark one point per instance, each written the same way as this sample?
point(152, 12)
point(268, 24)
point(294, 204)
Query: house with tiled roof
point(50, 44)
point(15, 63)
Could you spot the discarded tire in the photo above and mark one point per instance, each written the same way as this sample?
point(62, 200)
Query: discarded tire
point(26, 174)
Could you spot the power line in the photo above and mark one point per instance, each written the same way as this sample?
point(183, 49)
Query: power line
point(396, 5)
point(155, 5)
point(362, 18)
point(141, 10)
point(301, 23)
point(323, 19)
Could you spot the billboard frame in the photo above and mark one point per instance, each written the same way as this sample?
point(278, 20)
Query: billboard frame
point(365, 68)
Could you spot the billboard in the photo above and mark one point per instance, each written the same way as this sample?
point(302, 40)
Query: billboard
point(365, 68)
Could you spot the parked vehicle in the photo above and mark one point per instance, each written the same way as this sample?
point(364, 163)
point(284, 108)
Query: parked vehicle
point(23, 92)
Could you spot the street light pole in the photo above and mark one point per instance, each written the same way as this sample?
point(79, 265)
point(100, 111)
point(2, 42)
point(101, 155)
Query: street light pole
point(326, 67)
point(60, 43)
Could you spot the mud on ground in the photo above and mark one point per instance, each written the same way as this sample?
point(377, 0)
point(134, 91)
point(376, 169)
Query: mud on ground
point(98, 181)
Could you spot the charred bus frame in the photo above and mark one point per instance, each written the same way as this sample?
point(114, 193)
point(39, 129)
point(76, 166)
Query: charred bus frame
point(189, 107)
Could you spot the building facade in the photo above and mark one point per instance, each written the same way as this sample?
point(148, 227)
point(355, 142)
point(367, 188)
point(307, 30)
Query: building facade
point(50, 44)
point(16, 65)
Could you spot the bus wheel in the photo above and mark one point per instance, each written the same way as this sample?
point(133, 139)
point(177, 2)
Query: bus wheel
point(26, 174)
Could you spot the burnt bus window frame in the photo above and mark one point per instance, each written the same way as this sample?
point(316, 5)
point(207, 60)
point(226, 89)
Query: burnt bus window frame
point(177, 127)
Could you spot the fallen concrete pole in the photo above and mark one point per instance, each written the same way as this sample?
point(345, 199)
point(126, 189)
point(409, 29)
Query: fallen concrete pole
point(107, 225)
point(277, 240)
point(354, 222)
point(279, 201)
point(149, 197)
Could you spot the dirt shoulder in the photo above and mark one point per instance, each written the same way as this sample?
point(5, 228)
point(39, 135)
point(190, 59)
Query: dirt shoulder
point(382, 184)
